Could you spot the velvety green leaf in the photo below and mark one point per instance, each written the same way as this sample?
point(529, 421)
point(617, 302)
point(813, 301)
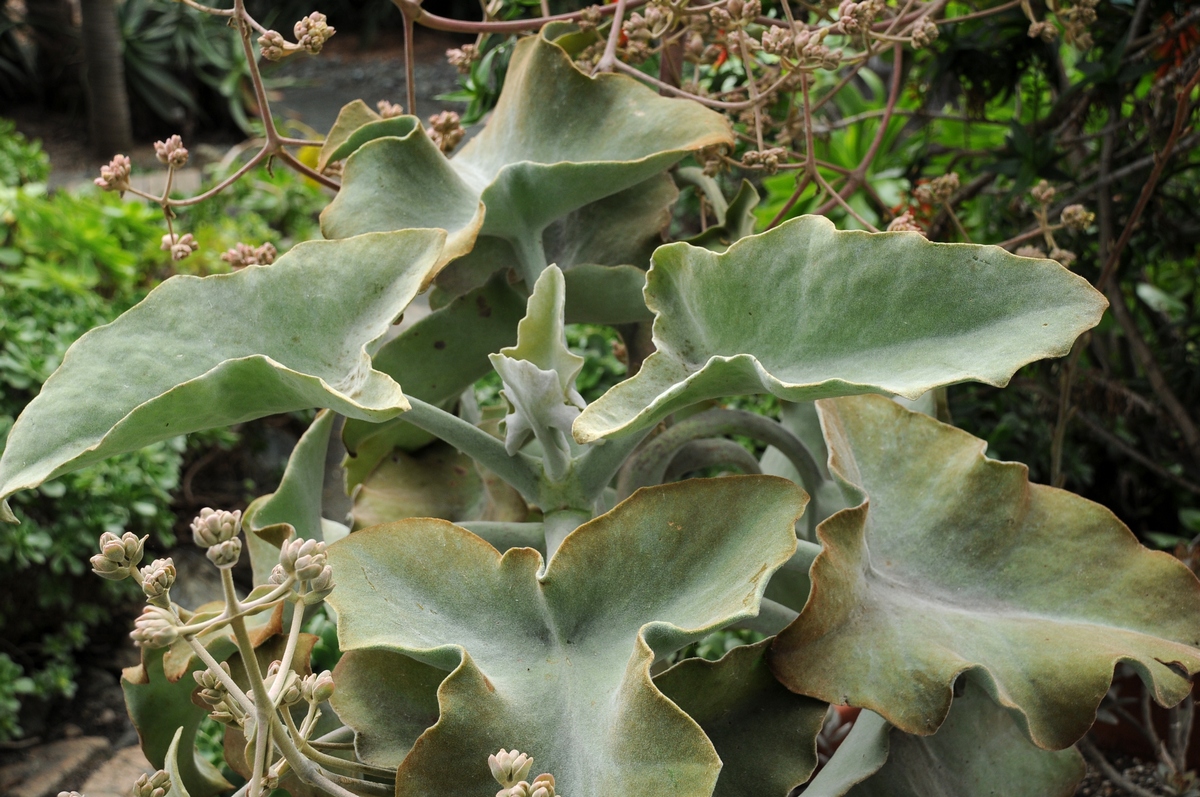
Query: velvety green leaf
point(294, 508)
point(389, 698)
point(765, 735)
point(620, 230)
point(173, 769)
point(556, 141)
point(200, 353)
point(979, 751)
point(400, 182)
point(557, 663)
point(861, 754)
point(736, 222)
point(357, 124)
point(437, 482)
point(162, 711)
point(606, 295)
point(807, 311)
point(951, 562)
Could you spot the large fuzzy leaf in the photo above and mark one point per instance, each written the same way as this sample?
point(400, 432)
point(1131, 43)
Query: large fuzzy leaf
point(295, 507)
point(766, 736)
point(200, 353)
point(806, 311)
point(979, 751)
point(620, 230)
point(162, 712)
point(953, 563)
point(557, 140)
point(557, 663)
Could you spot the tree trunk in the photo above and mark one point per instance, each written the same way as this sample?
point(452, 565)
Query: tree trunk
point(56, 38)
point(108, 104)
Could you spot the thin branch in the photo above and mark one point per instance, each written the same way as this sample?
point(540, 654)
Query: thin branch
point(425, 19)
point(1112, 773)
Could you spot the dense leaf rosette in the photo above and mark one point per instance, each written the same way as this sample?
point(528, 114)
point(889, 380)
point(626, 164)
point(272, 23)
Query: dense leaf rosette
point(952, 563)
point(979, 751)
point(766, 736)
point(557, 140)
point(806, 311)
point(557, 663)
point(200, 353)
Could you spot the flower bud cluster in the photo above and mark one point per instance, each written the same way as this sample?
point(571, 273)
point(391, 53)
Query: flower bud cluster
point(115, 175)
point(157, 579)
point(713, 160)
point(217, 530)
point(1043, 30)
point(801, 43)
point(171, 152)
point(154, 628)
point(290, 692)
point(938, 190)
point(735, 14)
point(589, 18)
point(180, 247)
point(309, 563)
point(225, 554)
point(118, 555)
point(213, 693)
point(1076, 21)
point(1077, 218)
point(389, 110)
point(857, 17)
point(317, 687)
point(461, 58)
point(904, 223)
point(446, 131)
point(924, 33)
point(273, 46)
point(242, 255)
point(214, 526)
point(1031, 251)
point(1064, 256)
point(768, 159)
point(156, 785)
point(312, 32)
point(509, 767)
point(1043, 192)
point(542, 786)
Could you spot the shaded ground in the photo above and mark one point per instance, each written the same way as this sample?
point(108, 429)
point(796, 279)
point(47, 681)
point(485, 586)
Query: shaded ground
point(309, 90)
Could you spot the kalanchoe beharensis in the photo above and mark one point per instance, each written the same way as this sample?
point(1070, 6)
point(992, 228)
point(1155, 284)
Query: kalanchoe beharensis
point(214, 526)
point(156, 785)
point(157, 579)
point(317, 687)
point(242, 255)
point(115, 175)
point(154, 628)
point(171, 152)
point(290, 692)
point(180, 247)
point(119, 556)
point(307, 561)
point(509, 767)
point(225, 554)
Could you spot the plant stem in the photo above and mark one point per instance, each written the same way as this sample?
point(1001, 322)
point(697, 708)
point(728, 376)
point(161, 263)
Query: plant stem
point(289, 651)
point(609, 59)
point(597, 467)
point(519, 470)
point(262, 706)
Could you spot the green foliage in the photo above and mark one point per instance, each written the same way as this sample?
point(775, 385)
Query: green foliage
point(978, 617)
point(21, 160)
